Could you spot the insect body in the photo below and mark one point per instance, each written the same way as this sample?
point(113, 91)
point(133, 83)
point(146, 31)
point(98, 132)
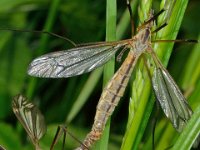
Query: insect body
point(84, 59)
point(116, 87)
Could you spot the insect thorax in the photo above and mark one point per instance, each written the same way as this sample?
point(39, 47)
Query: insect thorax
point(142, 41)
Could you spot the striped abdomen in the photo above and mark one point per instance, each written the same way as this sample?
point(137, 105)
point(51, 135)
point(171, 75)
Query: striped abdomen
point(110, 98)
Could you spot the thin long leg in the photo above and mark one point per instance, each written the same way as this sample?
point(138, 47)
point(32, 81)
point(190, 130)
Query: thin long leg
point(159, 28)
point(131, 17)
point(151, 19)
point(44, 32)
point(119, 57)
point(57, 136)
point(63, 130)
point(177, 41)
point(85, 147)
point(169, 8)
point(64, 138)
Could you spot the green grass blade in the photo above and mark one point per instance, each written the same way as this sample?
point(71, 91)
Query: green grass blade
point(14, 59)
point(190, 133)
point(135, 117)
point(125, 20)
point(85, 93)
point(192, 70)
point(170, 31)
point(111, 12)
point(9, 137)
point(142, 101)
point(194, 98)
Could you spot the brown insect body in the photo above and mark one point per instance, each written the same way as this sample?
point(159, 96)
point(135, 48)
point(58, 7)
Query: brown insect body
point(116, 86)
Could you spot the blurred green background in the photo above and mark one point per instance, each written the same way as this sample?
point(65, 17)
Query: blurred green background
point(82, 22)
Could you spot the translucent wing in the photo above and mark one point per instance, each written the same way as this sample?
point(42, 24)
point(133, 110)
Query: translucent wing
point(72, 62)
point(30, 117)
point(171, 99)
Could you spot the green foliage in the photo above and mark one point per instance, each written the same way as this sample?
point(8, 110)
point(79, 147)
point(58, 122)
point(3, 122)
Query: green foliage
point(73, 101)
point(191, 132)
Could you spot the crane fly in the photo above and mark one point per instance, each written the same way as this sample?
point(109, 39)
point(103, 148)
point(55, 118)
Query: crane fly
point(31, 119)
point(79, 60)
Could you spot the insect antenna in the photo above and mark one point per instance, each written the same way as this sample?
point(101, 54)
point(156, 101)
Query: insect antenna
point(40, 32)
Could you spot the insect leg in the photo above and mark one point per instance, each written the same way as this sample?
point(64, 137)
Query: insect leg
point(63, 130)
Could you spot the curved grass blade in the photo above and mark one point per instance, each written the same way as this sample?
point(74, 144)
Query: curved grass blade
point(109, 68)
point(30, 117)
point(140, 92)
point(73, 62)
